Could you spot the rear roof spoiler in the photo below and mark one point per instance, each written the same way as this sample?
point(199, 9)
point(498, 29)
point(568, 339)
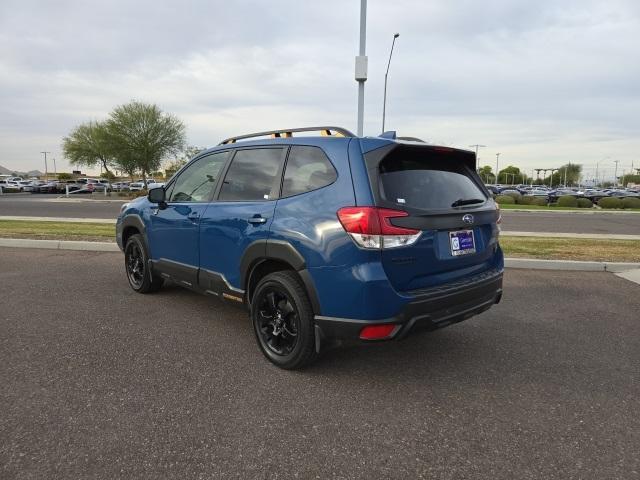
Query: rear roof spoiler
point(468, 157)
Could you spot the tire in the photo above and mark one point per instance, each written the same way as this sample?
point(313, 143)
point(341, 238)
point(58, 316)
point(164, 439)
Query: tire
point(280, 308)
point(136, 264)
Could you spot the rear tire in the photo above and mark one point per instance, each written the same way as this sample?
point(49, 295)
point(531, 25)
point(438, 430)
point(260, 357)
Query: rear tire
point(283, 321)
point(136, 264)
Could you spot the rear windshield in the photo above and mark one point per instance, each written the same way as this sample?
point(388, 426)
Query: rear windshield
point(428, 182)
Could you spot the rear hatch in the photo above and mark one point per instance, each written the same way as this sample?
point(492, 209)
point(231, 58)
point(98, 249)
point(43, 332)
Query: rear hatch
point(445, 200)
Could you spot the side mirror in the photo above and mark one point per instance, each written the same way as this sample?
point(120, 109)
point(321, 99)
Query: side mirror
point(157, 195)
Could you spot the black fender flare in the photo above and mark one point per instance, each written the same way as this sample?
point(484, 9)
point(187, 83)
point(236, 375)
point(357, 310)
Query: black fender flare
point(134, 220)
point(281, 250)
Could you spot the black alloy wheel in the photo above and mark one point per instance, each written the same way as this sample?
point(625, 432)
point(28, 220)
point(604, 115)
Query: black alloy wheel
point(283, 320)
point(278, 321)
point(136, 262)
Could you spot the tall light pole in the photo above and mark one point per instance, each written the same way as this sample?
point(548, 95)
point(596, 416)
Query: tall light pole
point(384, 101)
point(497, 159)
point(615, 175)
point(477, 146)
point(46, 173)
point(55, 170)
point(361, 65)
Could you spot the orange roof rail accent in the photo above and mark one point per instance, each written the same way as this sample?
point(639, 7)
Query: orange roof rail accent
point(327, 131)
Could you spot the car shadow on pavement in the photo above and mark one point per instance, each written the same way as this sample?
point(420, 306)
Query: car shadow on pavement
point(470, 348)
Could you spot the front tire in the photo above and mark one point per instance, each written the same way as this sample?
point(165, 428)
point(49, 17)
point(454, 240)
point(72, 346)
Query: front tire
point(283, 321)
point(136, 263)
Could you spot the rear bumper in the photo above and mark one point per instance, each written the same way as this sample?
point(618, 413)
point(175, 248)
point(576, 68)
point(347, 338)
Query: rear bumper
point(429, 309)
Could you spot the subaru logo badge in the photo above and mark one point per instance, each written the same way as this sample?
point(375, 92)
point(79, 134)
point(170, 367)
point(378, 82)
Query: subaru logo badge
point(468, 219)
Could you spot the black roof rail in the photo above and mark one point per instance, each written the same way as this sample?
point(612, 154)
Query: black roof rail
point(288, 132)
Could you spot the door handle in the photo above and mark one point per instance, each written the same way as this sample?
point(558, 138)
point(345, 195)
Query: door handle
point(193, 216)
point(257, 220)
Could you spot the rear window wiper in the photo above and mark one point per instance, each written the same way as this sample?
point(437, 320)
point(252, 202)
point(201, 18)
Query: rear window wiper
point(467, 201)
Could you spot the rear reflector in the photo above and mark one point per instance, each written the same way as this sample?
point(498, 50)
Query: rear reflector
point(377, 332)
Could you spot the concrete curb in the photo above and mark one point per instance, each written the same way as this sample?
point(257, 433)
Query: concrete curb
point(574, 265)
point(59, 219)
point(84, 200)
point(59, 244)
point(527, 263)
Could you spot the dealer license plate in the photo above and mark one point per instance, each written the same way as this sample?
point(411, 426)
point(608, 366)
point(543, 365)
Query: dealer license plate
point(462, 242)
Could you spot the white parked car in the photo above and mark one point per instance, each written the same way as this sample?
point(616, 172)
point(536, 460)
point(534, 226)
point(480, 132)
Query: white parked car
point(139, 184)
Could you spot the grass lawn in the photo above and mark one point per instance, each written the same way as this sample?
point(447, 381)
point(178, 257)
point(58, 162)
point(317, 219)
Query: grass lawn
point(528, 247)
point(571, 249)
point(57, 230)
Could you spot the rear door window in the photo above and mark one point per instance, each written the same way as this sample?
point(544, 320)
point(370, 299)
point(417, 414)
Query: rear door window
point(308, 168)
point(429, 182)
point(252, 175)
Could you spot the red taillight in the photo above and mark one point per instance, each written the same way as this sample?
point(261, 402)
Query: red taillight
point(371, 228)
point(373, 221)
point(377, 332)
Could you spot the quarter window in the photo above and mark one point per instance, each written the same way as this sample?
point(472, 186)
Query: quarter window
point(308, 168)
point(198, 180)
point(252, 175)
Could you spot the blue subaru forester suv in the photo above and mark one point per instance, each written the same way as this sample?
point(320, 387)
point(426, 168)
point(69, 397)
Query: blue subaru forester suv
point(324, 238)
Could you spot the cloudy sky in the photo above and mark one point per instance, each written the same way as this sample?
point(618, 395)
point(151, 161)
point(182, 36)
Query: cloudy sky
point(543, 82)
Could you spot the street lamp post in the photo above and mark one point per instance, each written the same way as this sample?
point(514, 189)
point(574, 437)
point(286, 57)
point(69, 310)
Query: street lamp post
point(46, 173)
point(615, 175)
point(361, 65)
point(477, 146)
point(384, 101)
point(497, 158)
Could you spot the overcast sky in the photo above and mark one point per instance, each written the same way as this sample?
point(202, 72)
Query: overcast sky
point(543, 82)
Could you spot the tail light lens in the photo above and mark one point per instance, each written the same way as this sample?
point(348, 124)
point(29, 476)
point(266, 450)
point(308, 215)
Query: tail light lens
point(371, 228)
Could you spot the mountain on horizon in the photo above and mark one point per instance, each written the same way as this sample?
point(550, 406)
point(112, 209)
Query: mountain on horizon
point(32, 173)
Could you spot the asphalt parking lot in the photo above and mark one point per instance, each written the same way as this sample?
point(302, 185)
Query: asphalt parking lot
point(37, 205)
point(601, 223)
point(100, 382)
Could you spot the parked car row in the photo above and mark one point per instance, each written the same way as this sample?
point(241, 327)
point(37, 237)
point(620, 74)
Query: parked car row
point(552, 194)
point(75, 186)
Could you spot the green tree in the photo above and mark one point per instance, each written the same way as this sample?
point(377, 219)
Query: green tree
point(176, 164)
point(511, 175)
point(627, 179)
point(486, 174)
point(141, 136)
point(64, 176)
point(89, 145)
point(108, 175)
point(574, 172)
